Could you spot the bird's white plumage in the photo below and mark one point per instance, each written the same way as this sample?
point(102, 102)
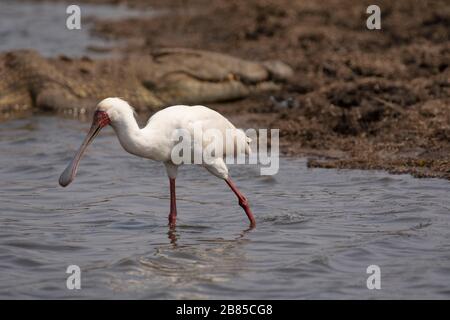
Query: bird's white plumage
point(155, 141)
point(161, 136)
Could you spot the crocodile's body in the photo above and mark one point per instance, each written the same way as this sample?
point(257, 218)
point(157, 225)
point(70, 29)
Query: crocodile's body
point(27, 80)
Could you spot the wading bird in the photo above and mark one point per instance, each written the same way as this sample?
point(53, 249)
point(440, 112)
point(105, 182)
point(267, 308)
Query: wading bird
point(155, 141)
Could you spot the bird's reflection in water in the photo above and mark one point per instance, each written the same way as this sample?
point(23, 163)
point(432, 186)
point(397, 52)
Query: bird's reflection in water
point(198, 260)
point(172, 235)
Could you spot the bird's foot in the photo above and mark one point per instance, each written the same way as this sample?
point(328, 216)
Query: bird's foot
point(243, 202)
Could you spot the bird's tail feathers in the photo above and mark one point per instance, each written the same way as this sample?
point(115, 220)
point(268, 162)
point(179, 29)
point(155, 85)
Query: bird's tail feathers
point(242, 142)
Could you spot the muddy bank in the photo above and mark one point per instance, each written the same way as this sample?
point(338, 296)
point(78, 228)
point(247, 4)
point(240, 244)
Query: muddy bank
point(358, 99)
point(149, 82)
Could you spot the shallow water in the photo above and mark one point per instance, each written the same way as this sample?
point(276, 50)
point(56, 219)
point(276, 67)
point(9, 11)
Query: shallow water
point(42, 26)
point(318, 230)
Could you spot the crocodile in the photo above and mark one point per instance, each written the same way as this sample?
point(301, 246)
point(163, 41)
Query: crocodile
point(149, 82)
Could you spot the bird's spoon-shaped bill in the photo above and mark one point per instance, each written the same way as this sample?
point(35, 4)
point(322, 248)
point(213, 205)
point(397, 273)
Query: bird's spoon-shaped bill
point(100, 120)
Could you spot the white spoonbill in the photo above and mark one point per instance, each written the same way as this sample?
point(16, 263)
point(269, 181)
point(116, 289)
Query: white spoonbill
point(155, 141)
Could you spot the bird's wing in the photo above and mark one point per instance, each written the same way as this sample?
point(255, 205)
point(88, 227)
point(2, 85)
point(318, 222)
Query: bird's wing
point(234, 141)
point(200, 119)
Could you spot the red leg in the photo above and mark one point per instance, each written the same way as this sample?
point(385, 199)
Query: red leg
point(173, 204)
point(243, 202)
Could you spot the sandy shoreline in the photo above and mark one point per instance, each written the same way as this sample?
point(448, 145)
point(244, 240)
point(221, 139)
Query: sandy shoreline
point(359, 99)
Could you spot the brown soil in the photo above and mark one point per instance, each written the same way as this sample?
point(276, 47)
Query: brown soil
point(359, 98)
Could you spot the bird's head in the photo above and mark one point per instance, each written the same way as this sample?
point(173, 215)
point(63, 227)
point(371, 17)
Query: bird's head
point(108, 112)
point(113, 110)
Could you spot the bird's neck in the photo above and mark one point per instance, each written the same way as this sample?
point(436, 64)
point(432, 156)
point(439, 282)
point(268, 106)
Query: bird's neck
point(132, 138)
